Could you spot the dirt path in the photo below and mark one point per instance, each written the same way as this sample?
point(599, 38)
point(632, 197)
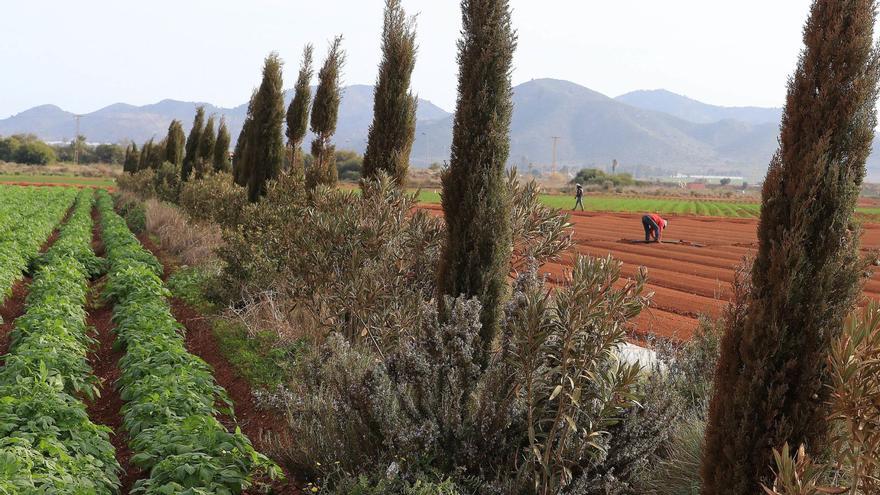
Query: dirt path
point(105, 409)
point(257, 424)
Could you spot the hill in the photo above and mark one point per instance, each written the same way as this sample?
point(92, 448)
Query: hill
point(648, 132)
point(691, 110)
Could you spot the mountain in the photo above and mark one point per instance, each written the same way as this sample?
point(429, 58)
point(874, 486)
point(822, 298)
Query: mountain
point(121, 121)
point(594, 129)
point(649, 133)
point(685, 108)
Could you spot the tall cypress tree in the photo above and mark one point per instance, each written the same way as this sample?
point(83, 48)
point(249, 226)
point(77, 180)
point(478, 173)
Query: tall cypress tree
point(205, 156)
point(193, 143)
point(325, 112)
point(771, 384)
point(144, 158)
point(393, 129)
point(265, 142)
point(209, 139)
point(174, 143)
point(298, 111)
point(476, 201)
point(220, 156)
point(240, 159)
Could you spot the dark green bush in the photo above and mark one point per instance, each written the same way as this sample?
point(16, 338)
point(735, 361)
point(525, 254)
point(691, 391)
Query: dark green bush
point(216, 198)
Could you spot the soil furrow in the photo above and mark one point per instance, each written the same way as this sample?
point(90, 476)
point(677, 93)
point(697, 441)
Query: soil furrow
point(104, 359)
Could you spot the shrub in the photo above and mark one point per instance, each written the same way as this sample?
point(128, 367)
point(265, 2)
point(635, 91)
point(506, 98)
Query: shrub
point(141, 183)
point(167, 182)
point(677, 469)
point(34, 152)
point(541, 414)
point(216, 199)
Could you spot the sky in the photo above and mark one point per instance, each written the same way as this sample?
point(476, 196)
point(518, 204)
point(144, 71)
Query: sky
point(87, 54)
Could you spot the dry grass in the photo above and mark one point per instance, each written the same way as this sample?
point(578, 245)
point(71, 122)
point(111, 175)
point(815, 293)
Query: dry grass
point(193, 243)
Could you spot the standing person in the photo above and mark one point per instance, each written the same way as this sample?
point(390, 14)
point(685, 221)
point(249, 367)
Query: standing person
point(654, 226)
point(579, 197)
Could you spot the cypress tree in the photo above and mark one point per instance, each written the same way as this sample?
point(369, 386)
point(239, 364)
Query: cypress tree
point(476, 201)
point(240, 167)
point(393, 129)
point(205, 155)
point(144, 158)
point(325, 112)
point(771, 384)
point(193, 144)
point(156, 155)
point(174, 143)
point(220, 158)
point(298, 111)
point(132, 157)
point(209, 139)
point(265, 144)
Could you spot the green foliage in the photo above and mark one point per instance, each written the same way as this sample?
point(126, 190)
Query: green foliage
point(141, 184)
point(132, 157)
point(193, 144)
point(259, 356)
point(215, 199)
point(325, 112)
point(349, 165)
point(598, 177)
point(264, 151)
point(772, 384)
point(209, 140)
point(298, 112)
point(476, 199)
point(393, 130)
point(677, 469)
point(175, 143)
point(29, 214)
point(171, 398)
point(241, 160)
point(27, 149)
point(48, 444)
point(167, 182)
point(220, 159)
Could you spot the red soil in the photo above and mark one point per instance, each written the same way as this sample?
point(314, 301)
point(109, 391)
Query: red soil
point(57, 184)
point(687, 280)
point(104, 359)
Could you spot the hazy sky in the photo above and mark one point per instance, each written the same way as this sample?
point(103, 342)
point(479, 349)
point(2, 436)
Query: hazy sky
point(82, 55)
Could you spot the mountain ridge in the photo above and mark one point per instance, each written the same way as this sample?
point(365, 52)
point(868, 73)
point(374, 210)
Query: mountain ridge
point(649, 132)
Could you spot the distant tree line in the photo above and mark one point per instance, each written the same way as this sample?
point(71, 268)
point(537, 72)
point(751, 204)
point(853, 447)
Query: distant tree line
point(31, 150)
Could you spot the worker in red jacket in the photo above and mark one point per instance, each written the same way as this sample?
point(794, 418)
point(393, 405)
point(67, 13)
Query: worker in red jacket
point(654, 226)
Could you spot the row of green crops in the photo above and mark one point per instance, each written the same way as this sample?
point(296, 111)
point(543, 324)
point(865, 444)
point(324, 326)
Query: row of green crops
point(27, 217)
point(48, 445)
point(171, 398)
point(679, 206)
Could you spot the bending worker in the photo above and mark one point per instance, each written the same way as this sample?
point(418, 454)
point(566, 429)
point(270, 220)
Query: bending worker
point(654, 226)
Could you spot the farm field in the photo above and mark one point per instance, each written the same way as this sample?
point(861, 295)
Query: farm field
point(687, 280)
point(102, 182)
point(89, 408)
point(676, 206)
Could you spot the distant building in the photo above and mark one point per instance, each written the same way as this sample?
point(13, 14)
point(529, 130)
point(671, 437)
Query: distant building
point(696, 186)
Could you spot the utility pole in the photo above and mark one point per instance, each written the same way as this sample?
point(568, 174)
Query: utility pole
point(427, 149)
point(76, 141)
point(555, 141)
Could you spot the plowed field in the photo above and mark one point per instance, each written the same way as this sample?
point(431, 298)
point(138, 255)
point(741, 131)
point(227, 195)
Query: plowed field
point(687, 280)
